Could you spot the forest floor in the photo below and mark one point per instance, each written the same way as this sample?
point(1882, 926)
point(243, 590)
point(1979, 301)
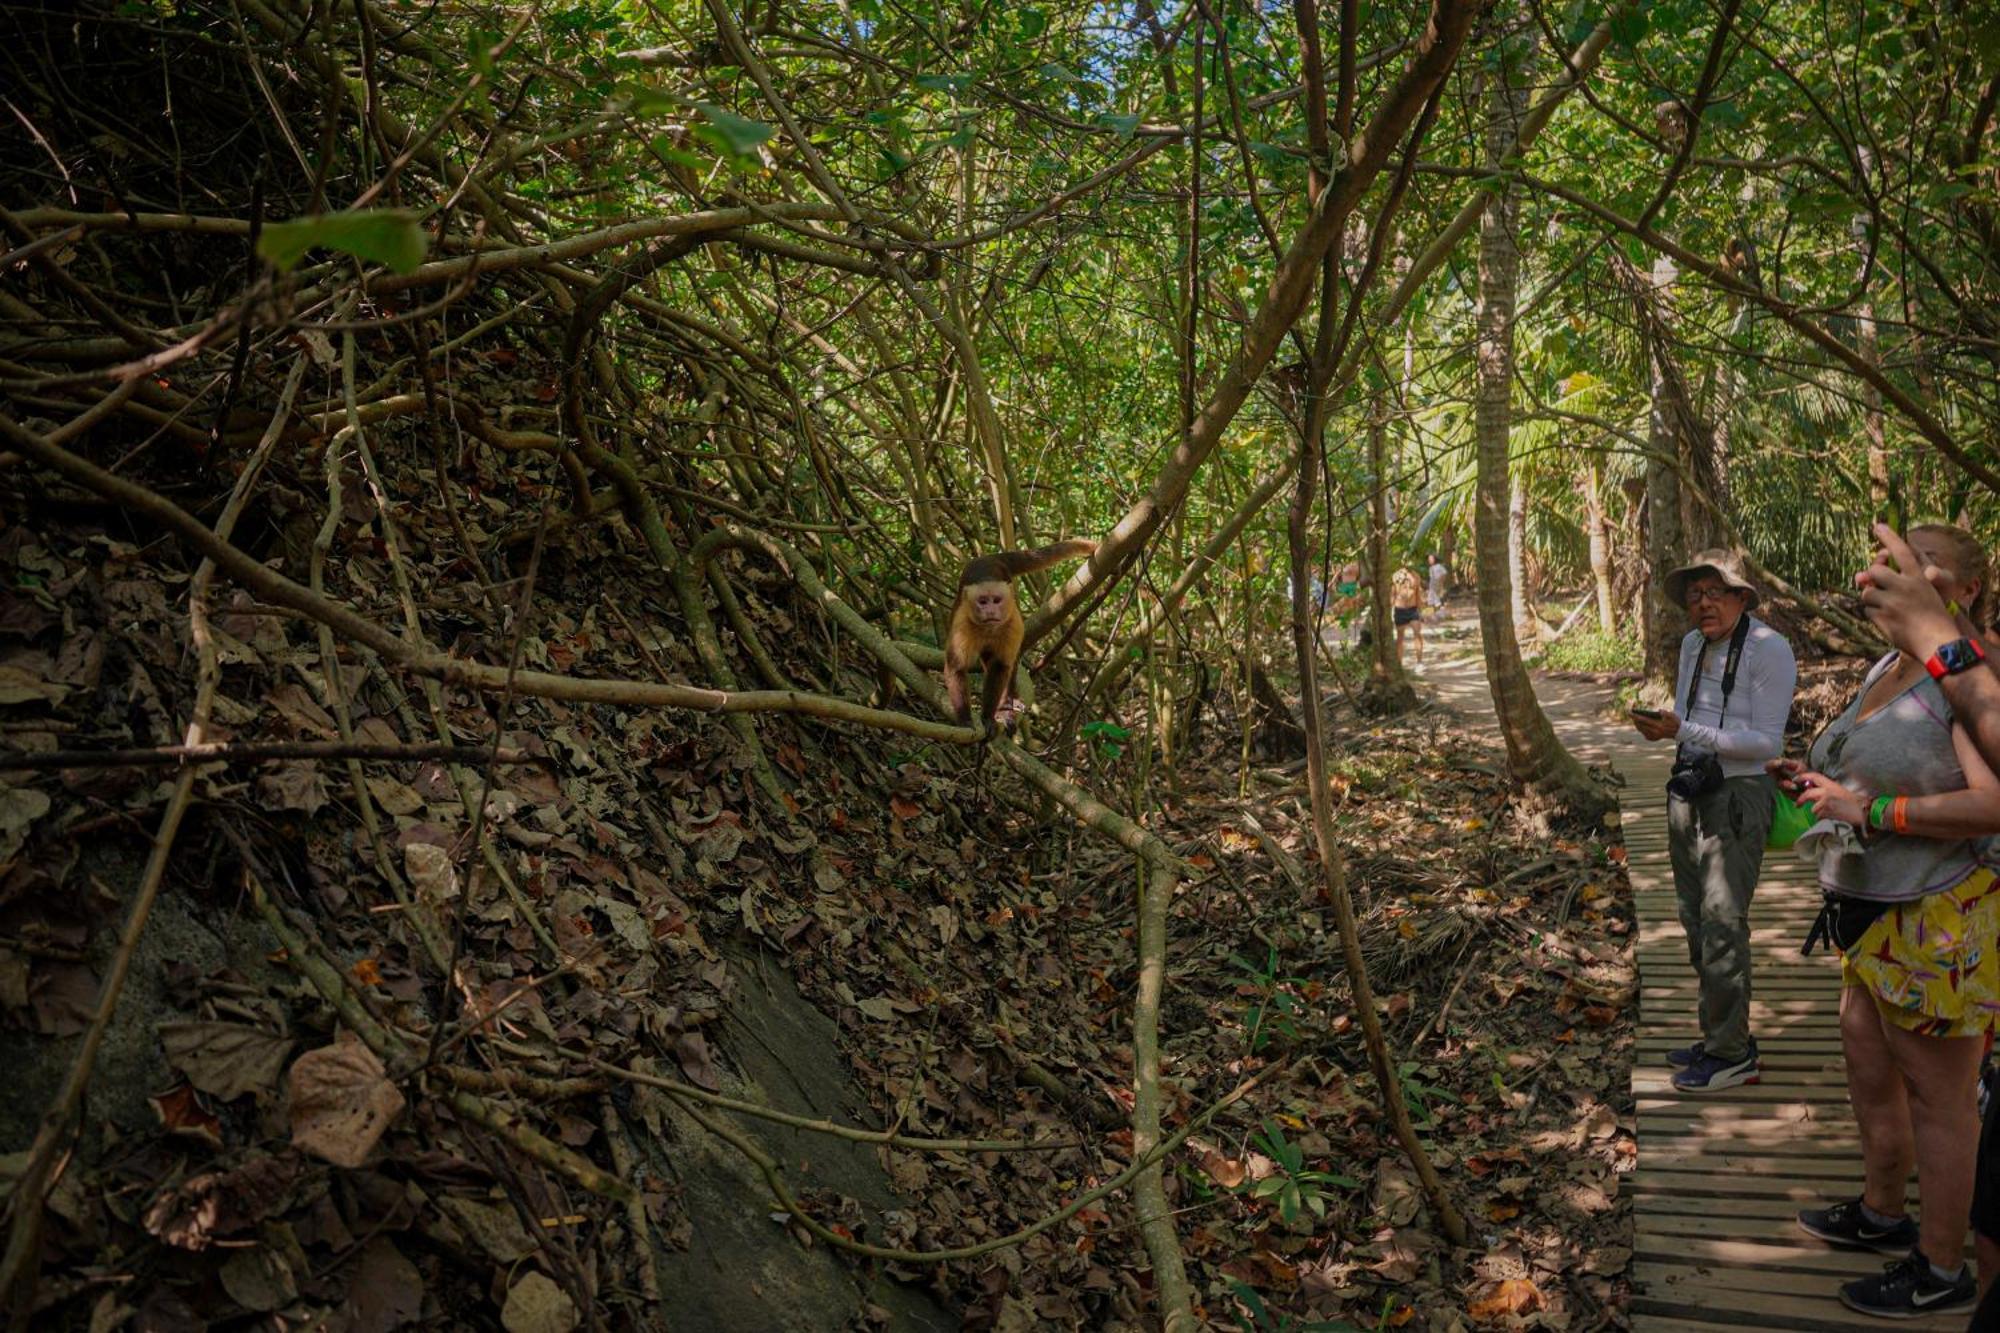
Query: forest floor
point(975, 961)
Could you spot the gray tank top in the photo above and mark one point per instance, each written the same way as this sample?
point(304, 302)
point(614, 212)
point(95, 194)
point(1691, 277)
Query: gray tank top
point(1902, 748)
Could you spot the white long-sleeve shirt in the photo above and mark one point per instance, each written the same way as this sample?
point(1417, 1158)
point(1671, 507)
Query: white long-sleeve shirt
point(1754, 730)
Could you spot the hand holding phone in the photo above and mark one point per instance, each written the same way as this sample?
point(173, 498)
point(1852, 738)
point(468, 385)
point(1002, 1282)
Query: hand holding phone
point(1650, 714)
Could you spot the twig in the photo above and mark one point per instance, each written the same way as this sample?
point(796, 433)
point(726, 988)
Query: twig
point(221, 752)
point(886, 1138)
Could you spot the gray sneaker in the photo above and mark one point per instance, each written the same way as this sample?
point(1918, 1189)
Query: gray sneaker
point(1908, 1289)
point(1844, 1223)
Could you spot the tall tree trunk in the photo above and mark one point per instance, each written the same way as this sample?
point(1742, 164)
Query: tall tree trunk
point(1535, 758)
point(1872, 426)
point(1600, 542)
point(1388, 689)
point(1664, 544)
point(1525, 628)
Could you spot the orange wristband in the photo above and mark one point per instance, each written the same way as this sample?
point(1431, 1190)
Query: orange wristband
point(1899, 814)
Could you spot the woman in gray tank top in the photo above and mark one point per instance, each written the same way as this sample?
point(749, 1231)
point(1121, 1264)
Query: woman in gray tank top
point(1914, 907)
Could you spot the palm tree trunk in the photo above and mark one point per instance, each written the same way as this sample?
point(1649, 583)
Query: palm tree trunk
point(1525, 628)
point(1389, 690)
point(1535, 757)
point(1600, 542)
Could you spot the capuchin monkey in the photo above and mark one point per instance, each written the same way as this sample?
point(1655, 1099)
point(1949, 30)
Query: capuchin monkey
point(986, 628)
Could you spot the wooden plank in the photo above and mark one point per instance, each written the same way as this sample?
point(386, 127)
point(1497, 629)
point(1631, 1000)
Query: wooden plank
point(1806, 1256)
point(1822, 1144)
point(1719, 1159)
point(1703, 1184)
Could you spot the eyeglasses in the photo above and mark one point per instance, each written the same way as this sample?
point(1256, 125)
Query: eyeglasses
point(1696, 596)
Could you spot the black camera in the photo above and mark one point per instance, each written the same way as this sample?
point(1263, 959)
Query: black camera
point(1696, 774)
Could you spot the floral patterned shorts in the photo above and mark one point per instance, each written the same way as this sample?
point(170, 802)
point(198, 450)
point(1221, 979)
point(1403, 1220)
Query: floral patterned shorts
point(1933, 964)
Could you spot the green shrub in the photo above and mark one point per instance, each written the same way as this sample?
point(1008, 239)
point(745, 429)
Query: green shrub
point(1592, 650)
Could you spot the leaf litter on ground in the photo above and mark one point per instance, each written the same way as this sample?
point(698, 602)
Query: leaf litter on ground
point(977, 963)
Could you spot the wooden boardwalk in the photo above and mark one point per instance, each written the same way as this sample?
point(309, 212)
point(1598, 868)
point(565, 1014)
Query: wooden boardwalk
point(1720, 1175)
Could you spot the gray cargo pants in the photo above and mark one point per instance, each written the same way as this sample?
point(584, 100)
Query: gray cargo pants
point(1717, 846)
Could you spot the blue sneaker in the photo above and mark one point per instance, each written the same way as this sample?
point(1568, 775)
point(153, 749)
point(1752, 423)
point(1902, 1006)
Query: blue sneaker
point(1712, 1073)
point(1683, 1056)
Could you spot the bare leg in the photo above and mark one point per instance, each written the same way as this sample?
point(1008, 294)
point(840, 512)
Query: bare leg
point(1417, 629)
point(1881, 1108)
point(1939, 1072)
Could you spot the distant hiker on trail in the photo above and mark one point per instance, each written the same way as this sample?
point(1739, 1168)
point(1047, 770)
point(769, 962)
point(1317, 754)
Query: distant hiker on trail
point(1905, 802)
point(1735, 686)
point(1439, 574)
point(1406, 596)
point(1349, 605)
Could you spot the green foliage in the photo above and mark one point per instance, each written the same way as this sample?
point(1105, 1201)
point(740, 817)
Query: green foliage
point(1274, 1006)
point(1292, 1188)
point(1594, 650)
point(734, 134)
point(392, 237)
point(1107, 738)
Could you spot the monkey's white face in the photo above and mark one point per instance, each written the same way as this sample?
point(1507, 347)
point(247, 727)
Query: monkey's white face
point(990, 602)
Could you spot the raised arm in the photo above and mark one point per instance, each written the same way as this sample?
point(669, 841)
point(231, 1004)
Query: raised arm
point(1905, 607)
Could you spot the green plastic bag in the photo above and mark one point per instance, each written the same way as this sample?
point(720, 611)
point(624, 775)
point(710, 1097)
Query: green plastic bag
point(1788, 820)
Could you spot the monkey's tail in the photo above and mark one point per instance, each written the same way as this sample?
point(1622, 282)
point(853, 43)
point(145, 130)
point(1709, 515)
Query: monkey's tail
point(1013, 564)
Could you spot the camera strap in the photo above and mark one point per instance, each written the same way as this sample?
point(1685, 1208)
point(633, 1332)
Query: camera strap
point(1729, 665)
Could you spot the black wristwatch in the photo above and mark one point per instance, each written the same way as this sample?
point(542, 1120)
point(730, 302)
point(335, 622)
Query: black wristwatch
point(1954, 657)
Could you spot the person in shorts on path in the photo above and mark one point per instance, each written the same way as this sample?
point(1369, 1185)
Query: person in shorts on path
point(1913, 904)
point(1406, 595)
point(1734, 689)
point(1439, 575)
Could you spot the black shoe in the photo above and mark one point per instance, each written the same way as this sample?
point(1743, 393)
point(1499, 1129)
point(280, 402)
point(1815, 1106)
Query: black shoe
point(1845, 1224)
point(1908, 1289)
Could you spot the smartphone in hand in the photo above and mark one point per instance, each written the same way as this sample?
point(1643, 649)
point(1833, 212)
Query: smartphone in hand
point(1650, 714)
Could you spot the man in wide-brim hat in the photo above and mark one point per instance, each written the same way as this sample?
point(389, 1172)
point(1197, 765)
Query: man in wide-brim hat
point(1733, 693)
point(1725, 565)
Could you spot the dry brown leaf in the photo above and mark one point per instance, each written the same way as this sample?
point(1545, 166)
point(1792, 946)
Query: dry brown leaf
point(19, 687)
point(386, 1291)
point(181, 1113)
point(294, 785)
point(341, 1101)
point(537, 1305)
point(1228, 1172)
point(1514, 1296)
point(431, 872)
point(226, 1060)
point(221, 1203)
point(304, 713)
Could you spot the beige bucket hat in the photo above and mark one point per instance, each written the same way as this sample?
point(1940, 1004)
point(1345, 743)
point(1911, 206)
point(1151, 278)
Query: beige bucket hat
point(1724, 564)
